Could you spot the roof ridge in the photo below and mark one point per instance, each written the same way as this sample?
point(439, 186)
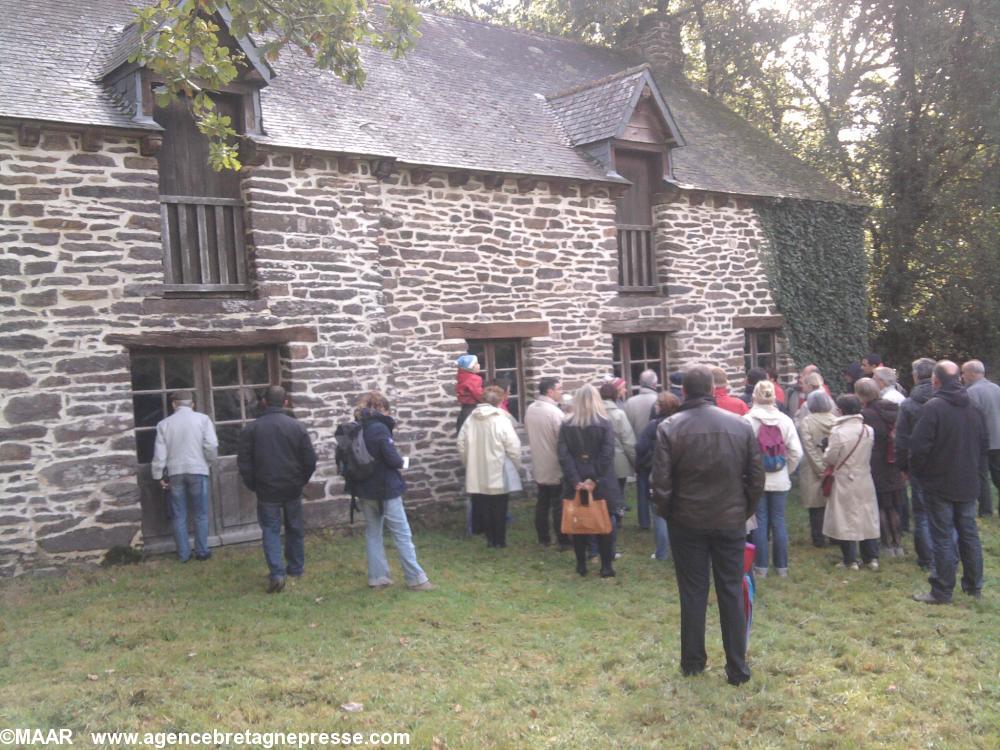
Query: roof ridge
point(600, 81)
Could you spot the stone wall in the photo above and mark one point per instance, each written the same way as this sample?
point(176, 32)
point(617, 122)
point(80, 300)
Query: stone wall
point(374, 268)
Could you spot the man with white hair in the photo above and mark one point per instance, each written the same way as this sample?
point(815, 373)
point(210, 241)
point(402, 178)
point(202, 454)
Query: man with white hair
point(639, 410)
point(885, 378)
point(986, 395)
point(185, 446)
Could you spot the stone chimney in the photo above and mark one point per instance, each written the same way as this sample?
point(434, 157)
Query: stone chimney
point(656, 38)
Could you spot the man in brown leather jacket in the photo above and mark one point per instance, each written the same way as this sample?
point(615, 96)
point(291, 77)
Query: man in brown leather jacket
point(707, 479)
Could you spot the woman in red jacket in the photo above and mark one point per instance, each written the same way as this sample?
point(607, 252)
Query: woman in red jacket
point(468, 387)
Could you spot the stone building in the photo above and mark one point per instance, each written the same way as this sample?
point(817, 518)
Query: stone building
point(556, 207)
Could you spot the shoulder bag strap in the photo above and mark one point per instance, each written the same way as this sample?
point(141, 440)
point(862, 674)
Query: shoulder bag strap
point(848, 456)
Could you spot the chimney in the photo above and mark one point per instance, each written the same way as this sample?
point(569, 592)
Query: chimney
point(656, 38)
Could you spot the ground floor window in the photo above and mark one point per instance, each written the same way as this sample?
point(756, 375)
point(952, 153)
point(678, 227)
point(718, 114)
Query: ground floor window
point(633, 353)
point(760, 349)
point(501, 363)
point(227, 386)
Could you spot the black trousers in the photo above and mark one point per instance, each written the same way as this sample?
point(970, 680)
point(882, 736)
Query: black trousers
point(990, 474)
point(816, 526)
point(695, 551)
point(491, 510)
point(604, 548)
point(549, 503)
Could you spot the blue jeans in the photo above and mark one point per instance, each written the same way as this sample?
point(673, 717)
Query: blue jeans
point(946, 516)
point(393, 517)
point(661, 535)
point(269, 517)
point(921, 530)
point(642, 497)
point(771, 514)
point(193, 487)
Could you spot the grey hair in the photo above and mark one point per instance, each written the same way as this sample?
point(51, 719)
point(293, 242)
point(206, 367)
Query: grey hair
point(923, 368)
point(649, 379)
point(818, 402)
point(974, 366)
point(886, 374)
point(867, 389)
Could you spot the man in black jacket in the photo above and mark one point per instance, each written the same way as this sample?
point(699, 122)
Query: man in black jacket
point(276, 460)
point(707, 479)
point(946, 451)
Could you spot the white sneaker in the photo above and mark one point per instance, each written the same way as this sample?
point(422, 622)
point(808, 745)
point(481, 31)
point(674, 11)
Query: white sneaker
point(873, 565)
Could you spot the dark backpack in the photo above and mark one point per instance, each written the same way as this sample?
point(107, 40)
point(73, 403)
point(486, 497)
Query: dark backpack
point(354, 463)
point(772, 447)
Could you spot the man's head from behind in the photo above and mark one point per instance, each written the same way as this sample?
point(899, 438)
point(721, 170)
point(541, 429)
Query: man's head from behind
point(719, 377)
point(182, 398)
point(275, 395)
point(945, 371)
point(923, 368)
point(697, 382)
point(755, 375)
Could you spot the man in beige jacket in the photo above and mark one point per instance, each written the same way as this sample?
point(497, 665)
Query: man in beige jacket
point(542, 421)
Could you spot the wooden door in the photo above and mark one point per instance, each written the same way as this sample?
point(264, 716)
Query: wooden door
point(226, 385)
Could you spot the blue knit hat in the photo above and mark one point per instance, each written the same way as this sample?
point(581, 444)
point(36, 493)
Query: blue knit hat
point(467, 361)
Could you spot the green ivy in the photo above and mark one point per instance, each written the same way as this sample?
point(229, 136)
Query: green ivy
point(817, 269)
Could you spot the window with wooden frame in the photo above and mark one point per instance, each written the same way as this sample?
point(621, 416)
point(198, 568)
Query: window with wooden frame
point(760, 348)
point(633, 353)
point(201, 211)
point(501, 363)
point(634, 219)
point(227, 386)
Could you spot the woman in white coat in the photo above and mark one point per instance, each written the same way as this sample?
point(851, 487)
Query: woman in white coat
point(852, 509)
point(814, 432)
point(768, 423)
point(486, 439)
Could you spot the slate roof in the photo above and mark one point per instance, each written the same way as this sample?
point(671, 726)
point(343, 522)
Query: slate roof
point(469, 96)
point(599, 110)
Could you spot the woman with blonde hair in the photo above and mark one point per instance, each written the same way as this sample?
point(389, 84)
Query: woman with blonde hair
point(486, 439)
point(781, 451)
point(381, 497)
point(587, 457)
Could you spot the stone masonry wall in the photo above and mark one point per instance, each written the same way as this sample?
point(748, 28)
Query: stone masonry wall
point(375, 268)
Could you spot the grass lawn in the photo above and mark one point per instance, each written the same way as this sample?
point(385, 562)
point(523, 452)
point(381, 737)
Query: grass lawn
point(513, 650)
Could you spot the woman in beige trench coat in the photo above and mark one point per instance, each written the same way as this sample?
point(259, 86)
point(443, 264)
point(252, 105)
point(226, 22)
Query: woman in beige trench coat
point(814, 433)
point(851, 509)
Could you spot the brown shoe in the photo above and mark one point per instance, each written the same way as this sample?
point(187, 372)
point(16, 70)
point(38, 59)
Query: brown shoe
point(425, 586)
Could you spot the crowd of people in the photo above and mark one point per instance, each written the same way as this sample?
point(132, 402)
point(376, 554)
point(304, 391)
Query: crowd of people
point(712, 472)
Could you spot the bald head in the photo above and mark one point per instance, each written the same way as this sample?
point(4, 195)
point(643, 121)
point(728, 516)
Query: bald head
point(973, 370)
point(944, 371)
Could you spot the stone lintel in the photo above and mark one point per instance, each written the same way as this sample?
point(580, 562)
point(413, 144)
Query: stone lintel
point(759, 321)
point(519, 329)
point(660, 324)
point(212, 339)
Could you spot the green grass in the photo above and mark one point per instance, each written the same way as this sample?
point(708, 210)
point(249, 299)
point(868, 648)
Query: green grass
point(513, 650)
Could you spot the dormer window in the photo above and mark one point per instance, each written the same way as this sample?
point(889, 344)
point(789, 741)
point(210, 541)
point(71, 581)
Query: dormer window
point(204, 250)
point(623, 122)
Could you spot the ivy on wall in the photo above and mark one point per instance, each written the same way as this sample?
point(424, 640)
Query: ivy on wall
point(816, 265)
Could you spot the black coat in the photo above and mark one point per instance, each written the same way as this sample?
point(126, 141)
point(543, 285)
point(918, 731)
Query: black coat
point(276, 457)
point(387, 482)
point(949, 444)
point(909, 413)
point(881, 416)
point(590, 457)
point(707, 468)
point(646, 445)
